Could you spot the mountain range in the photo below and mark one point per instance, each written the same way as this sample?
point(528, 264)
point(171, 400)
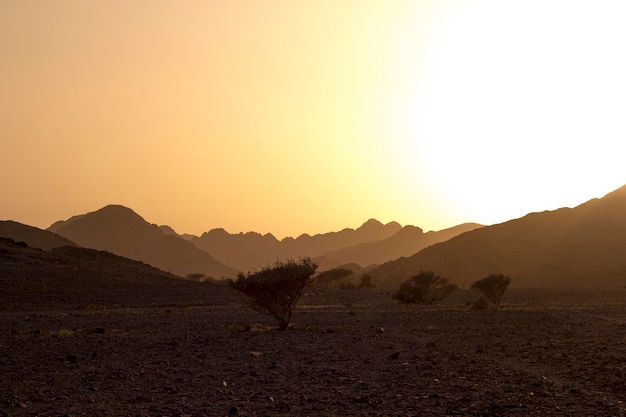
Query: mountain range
point(217, 253)
point(119, 230)
point(371, 243)
point(405, 242)
point(581, 246)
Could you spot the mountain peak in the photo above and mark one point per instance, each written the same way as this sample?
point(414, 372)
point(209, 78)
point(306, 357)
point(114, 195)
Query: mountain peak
point(119, 230)
point(372, 222)
point(375, 226)
point(116, 210)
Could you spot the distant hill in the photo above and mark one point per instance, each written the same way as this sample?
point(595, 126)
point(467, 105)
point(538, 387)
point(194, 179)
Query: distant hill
point(407, 241)
point(121, 231)
point(581, 246)
point(250, 251)
point(169, 231)
point(33, 236)
point(73, 277)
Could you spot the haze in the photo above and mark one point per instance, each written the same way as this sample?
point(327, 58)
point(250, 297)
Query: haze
point(296, 116)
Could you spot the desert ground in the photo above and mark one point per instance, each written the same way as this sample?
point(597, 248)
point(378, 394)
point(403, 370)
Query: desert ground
point(349, 353)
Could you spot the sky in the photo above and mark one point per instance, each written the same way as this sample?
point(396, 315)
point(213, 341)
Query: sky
point(292, 116)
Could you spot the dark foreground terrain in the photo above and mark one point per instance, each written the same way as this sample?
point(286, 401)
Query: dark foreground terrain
point(543, 353)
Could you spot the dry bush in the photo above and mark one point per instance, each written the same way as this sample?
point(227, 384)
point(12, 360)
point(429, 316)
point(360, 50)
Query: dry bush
point(424, 288)
point(481, 304)
point(347, 285)
point(492, 287)
point(366, 282)
point(276, 289)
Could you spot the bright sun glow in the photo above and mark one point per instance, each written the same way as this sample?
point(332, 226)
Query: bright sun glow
point(518, 106)
point(289, 116)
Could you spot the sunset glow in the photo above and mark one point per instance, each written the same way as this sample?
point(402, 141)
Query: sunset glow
point(295, 117)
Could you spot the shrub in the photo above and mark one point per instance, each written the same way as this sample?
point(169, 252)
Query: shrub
point(347, 285)
point(195, 276)
point(276, 289)
point(492, 287)
point(481, 304)
point(424, 288)
point(366, 282)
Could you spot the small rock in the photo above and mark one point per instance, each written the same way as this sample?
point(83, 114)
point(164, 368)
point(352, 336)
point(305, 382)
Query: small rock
point(380, 330)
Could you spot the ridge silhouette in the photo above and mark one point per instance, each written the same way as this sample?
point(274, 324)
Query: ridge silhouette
point(119, 230)
point(581, 246)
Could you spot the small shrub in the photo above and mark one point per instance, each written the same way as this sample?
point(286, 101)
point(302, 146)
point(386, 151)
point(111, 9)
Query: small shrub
point(196, 276)
point(347, 285)
point(424, 288)
point(481, 304)
point(366, 282)
point(492, 287)
point(276, 289)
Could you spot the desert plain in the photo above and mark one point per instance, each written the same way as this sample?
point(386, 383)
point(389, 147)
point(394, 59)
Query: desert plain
point(542, 352)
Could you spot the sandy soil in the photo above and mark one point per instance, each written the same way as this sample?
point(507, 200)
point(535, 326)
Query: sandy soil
point(542, 353)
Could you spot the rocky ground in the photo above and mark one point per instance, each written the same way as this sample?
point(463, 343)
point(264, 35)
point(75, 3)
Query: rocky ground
point(354, 353)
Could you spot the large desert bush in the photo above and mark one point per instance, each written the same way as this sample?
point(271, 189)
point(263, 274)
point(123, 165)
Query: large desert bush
point(276, 289)
point(492, 287)
point(424, 288)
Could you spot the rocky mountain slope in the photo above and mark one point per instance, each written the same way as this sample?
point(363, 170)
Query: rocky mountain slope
point(33, 236)
point(121, 231)
point(581, 246)
point(73, 277)
point(249, 251)
point(407, 241)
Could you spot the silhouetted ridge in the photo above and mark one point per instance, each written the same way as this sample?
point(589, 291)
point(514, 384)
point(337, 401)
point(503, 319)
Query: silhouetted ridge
point(581, 246)
point(249, 251)
point(33, 236)
point(405, 242)
point(120, 230)
point(74, 277)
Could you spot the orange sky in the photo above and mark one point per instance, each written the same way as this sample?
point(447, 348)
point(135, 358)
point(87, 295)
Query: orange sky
point(297, 117)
